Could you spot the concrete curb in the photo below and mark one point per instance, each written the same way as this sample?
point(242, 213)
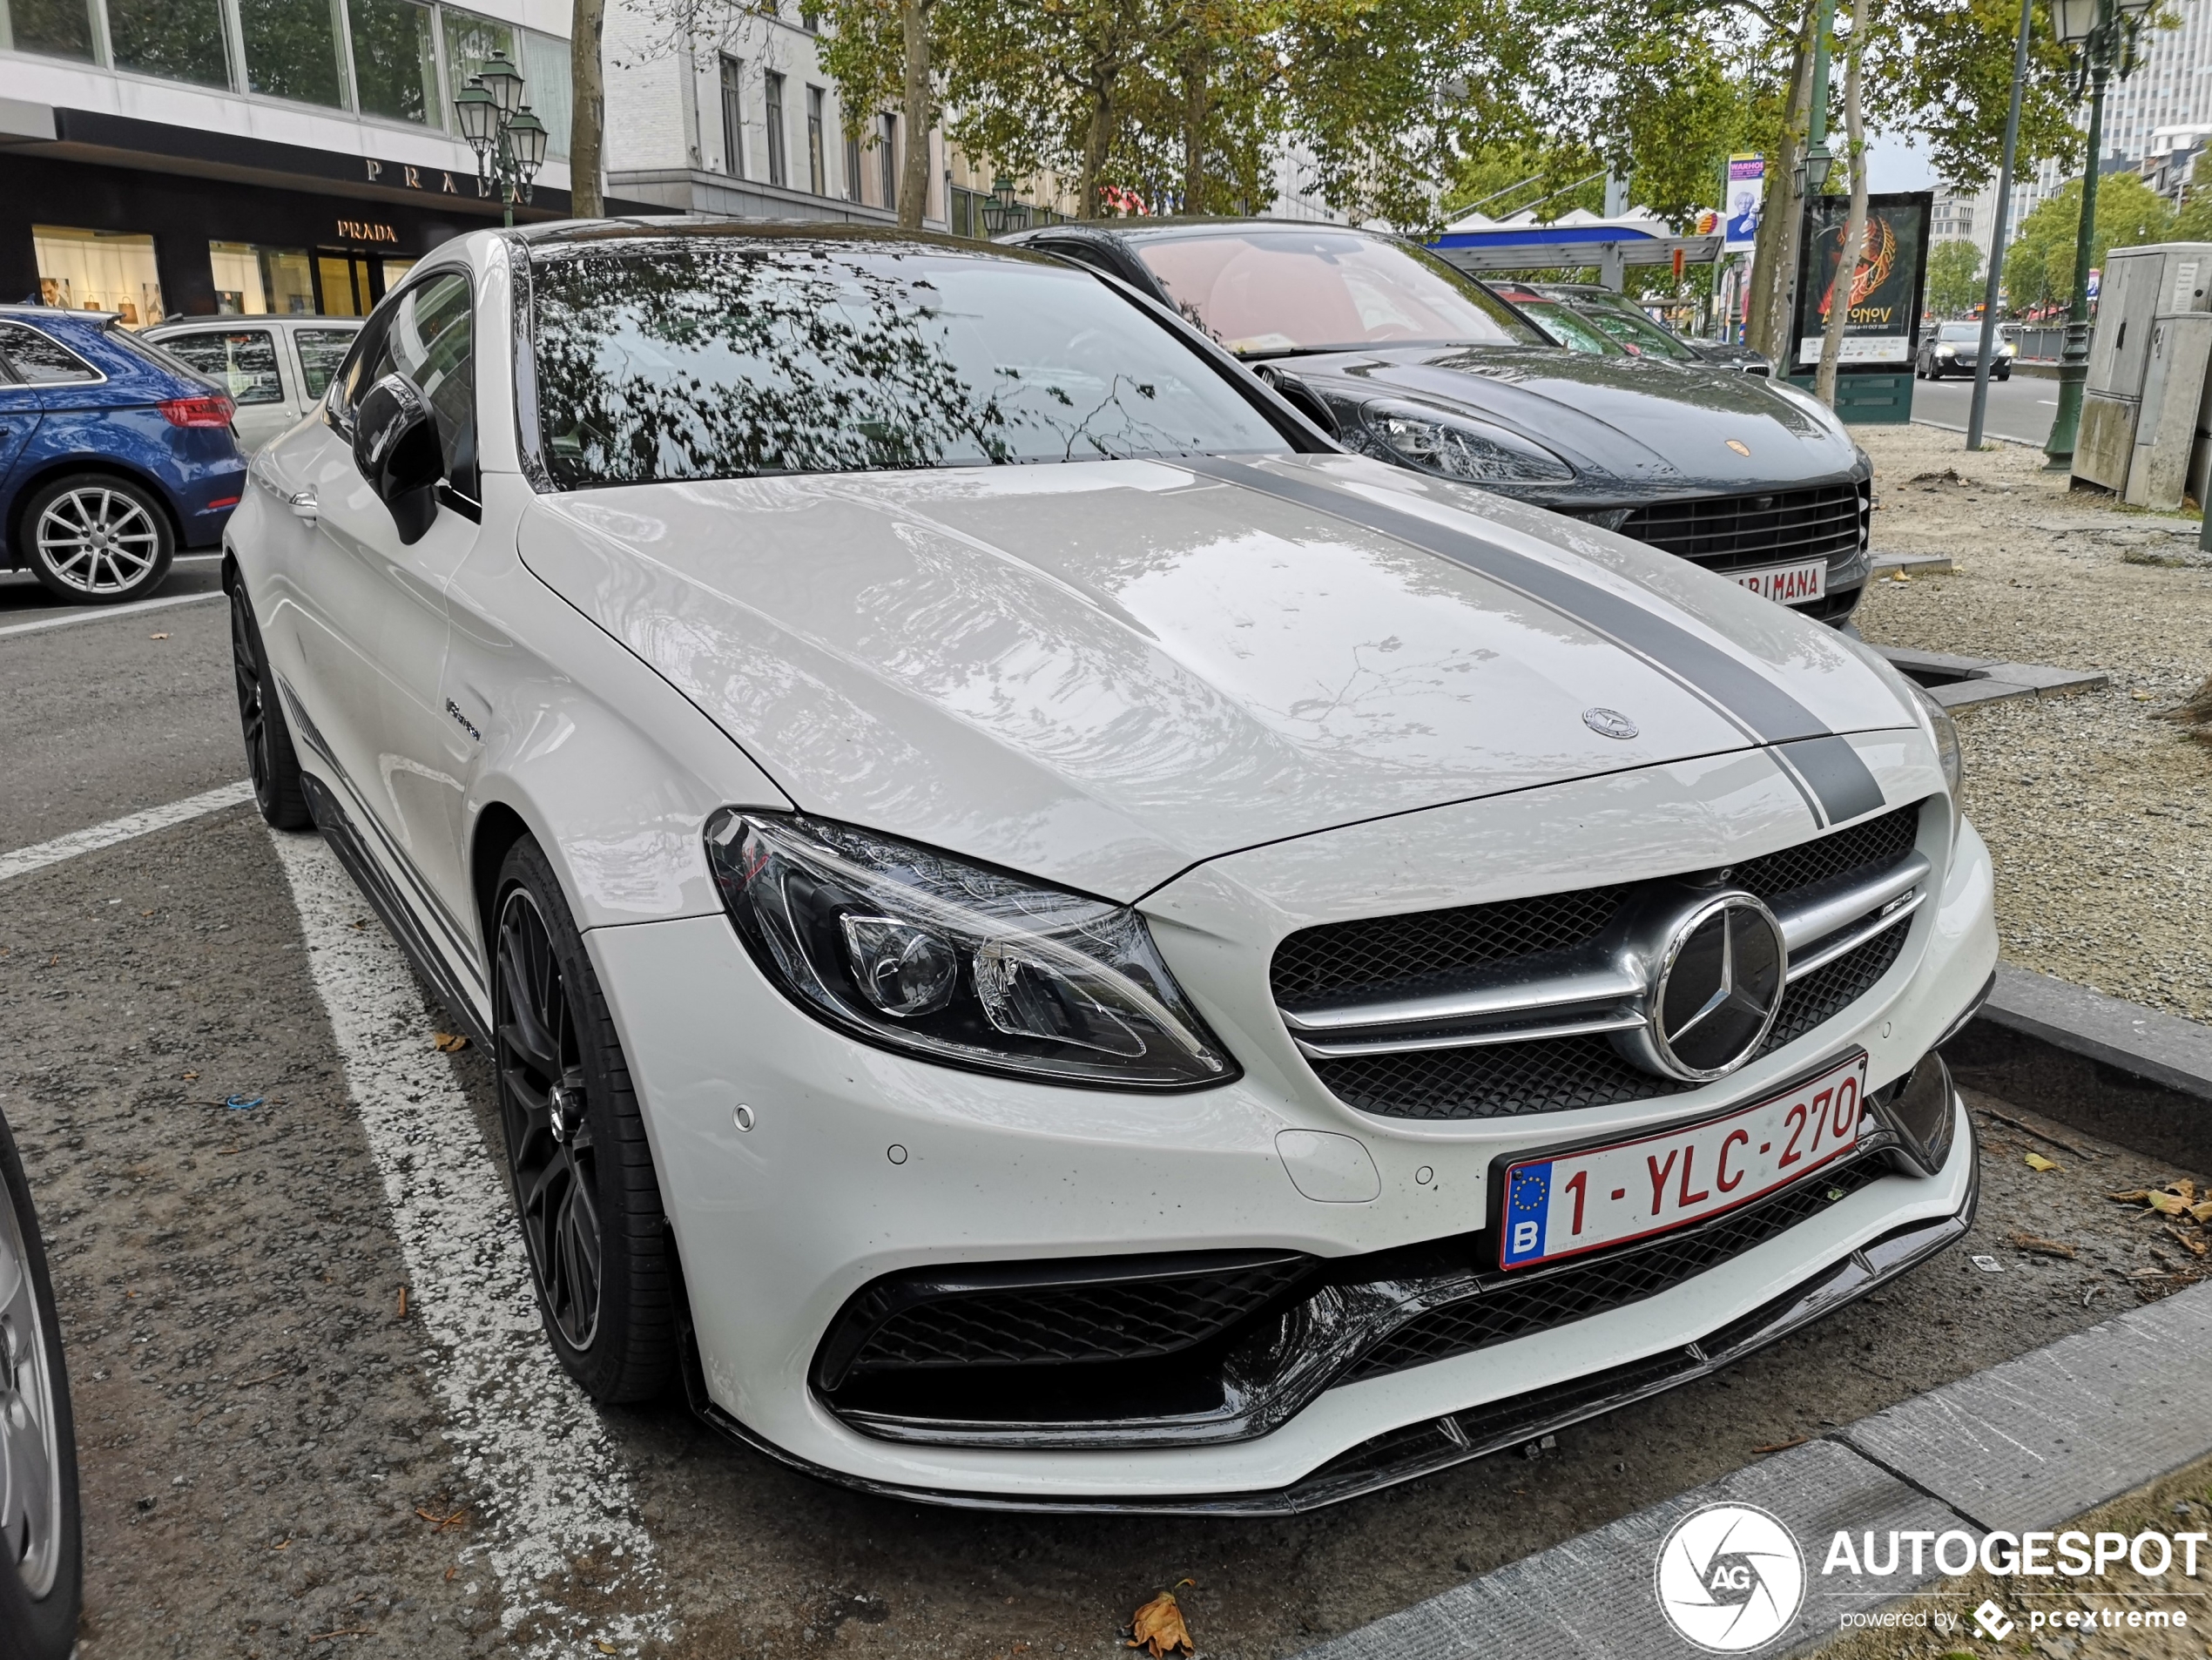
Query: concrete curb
point(2022, 1445)
point(1958, 682)
point(2126, 1073)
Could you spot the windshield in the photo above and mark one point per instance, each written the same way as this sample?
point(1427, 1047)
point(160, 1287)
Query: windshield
point(1566, 326)
point(711, 357)
point(1636, 331)
point(1959, 331)
point(1308, 289)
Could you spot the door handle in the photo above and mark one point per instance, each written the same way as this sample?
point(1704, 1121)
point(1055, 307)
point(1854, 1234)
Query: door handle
point(304, 505)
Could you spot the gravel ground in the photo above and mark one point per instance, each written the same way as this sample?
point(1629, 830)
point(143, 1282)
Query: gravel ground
point(2096, 811)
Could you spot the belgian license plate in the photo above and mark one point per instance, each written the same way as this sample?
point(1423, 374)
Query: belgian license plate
point(1584, 1200)
point(1791, 585)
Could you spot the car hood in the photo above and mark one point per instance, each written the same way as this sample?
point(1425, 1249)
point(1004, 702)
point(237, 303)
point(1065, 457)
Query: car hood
point(1103, 673)
point(1645, 421)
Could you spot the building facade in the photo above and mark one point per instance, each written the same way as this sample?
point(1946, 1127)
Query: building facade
point(192, 157)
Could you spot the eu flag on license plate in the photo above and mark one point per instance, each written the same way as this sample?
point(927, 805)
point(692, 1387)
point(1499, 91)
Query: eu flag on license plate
point(1528, 1197)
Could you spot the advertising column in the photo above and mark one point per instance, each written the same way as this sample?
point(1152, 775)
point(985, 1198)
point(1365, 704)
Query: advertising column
point(1882, 299)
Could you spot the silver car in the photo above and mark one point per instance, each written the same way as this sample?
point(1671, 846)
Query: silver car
point(275, 369)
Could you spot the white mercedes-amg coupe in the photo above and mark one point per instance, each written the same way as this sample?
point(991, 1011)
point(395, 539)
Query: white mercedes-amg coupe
point(1050, 938)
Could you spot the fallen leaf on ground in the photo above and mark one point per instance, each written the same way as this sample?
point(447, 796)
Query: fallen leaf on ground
point(448, 1042)
point(157, 637)
point(1780, 1446)
point(454, 1520)
point(606, 1648)
point(2036, 1161)
point(2046, 1247)
point(2167, 1204)
point(2191, 1243)
point(2201, 1210)
point(1157, 1627)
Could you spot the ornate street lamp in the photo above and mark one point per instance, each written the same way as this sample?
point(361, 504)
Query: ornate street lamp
point(509, 140)
point(1001, 212)
point(2102, 34)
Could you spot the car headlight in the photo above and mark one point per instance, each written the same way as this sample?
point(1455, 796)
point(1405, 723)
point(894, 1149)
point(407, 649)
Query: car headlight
point(917, 951)
point(1947, 351)
point(2006, 349)
point(1949, 756)
point(1458, 446)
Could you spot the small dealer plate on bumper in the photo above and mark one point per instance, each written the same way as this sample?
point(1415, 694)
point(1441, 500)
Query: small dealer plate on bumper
point(1584, 1199)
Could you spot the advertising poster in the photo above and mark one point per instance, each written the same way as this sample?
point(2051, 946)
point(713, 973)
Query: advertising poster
point(1882, 295)
point(1740, 208)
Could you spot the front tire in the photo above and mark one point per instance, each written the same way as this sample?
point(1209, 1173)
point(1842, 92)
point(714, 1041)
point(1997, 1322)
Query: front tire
point(42, 1556)
point(95, 539)
point(577, 1154)
point(269, 757)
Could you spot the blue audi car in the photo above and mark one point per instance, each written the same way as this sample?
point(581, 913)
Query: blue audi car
point(113, 455)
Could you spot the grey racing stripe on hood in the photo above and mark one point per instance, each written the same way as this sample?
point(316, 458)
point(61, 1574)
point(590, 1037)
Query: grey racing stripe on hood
point(1827, 769)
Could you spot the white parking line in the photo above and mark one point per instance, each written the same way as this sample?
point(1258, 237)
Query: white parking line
point(134, 824)
point(548, 1485)
point(108, 613)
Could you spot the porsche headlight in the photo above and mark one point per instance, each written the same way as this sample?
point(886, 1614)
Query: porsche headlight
point(917, 951)
point(1458, 446)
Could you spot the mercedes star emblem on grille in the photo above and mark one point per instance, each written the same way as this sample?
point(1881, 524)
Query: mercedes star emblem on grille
point(1717, 969)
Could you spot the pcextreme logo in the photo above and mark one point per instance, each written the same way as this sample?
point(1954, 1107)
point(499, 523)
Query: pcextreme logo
point(1730, 1578)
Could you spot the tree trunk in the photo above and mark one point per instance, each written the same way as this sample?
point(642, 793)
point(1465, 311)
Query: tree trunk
point(1095, 144)
point(1194, 129)
point(913, 175)
point(1843, 291)
point(587, 104)
point(1779, 208)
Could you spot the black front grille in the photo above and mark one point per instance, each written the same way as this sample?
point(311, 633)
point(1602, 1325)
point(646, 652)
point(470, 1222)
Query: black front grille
point(1507, 1308)
point(1125, 1320)
point(1765, 528)
point(1561, 1074)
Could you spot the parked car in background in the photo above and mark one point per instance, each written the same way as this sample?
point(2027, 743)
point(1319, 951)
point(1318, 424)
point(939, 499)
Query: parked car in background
point(1408, 359)
point(1048, 938)
point(113, 455)
point(42, 1559)
point(275, 369)
point(1955, 348)
point(1641, 333)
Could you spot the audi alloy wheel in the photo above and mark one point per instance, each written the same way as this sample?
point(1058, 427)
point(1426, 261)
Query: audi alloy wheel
point(97, 539)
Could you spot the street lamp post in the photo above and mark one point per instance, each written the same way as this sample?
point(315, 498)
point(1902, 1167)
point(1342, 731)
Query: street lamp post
point(2102, 35)
point(1001, 212)
point(510, 141)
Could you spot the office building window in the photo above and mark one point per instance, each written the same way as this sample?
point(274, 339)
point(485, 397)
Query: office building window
point(253, 281)
point(545, 67)
point(56, 28)
point(292, 50)
point(852, 167)
point(816, 162)
point(179, 40)
point(97, 271)
point(891, 162)
point(777, 173)
point(470, 41)
point(732, 118)
point(395, 60)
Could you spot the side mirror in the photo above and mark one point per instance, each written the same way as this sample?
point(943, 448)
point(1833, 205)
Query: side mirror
point(1301, 397)
point(396, 448)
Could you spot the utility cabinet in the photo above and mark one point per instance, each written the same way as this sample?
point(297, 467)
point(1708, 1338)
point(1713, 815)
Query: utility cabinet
point(2142, 289)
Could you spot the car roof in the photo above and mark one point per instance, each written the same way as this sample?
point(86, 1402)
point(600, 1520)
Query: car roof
point(31, 314)
point(1148, 229)
point(656, 228)
point(247, 320)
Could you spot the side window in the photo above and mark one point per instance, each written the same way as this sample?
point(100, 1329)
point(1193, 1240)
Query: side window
point(321, 352)
point(40, 360)
point(243, 362)
point(427, 337)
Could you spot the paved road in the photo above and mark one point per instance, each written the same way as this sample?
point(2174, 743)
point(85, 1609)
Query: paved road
point(2020, 409)
point(270, 1447)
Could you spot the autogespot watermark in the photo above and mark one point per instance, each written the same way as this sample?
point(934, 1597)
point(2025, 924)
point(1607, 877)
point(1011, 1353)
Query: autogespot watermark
point(1731, 1578)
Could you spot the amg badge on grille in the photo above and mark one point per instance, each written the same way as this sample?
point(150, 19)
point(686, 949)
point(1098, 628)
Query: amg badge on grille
point(1608, 723)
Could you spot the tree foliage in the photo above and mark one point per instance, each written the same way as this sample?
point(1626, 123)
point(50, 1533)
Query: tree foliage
point(2038, 267)
point(1955, 286)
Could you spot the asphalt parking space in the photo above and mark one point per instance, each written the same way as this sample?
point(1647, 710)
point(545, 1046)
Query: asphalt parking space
point(273, 1453)
point(104, 719)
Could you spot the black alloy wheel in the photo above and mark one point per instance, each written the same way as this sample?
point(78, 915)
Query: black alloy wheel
point(270, 762)
point(577, 1154)
point(42, 1557)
